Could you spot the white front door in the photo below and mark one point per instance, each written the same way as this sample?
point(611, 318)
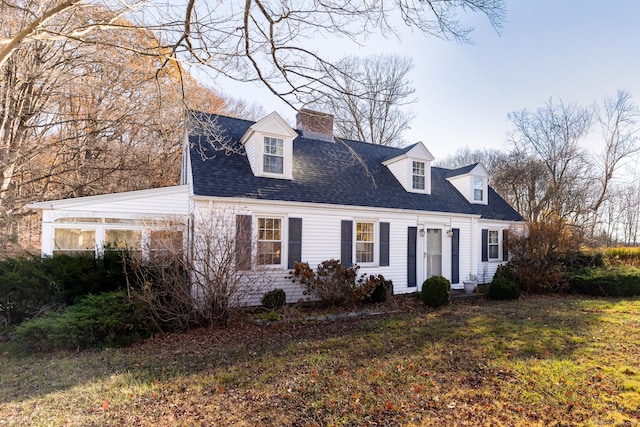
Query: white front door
point(433, 254)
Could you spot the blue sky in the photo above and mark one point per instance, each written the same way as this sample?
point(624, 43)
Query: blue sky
point(570, 50)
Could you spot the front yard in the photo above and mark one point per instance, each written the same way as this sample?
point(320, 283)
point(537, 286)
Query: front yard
point(536, 361)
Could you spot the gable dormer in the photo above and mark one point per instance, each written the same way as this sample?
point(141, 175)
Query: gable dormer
point(412, 168)
point(269, 147)
point(472, 182)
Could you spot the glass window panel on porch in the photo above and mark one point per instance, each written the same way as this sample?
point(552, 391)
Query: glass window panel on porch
point(165, 243)
point(74, 241)
point(131, 240)
point(123, 239)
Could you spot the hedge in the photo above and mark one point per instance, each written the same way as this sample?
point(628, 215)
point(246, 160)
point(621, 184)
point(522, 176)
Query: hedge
point(612, 282)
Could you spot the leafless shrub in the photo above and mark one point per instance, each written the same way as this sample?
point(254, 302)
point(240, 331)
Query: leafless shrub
point(537, 255)
point(211, 281)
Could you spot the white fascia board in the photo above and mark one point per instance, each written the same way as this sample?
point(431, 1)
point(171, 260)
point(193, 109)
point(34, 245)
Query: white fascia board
point(273, 124)
point(177, 190)
point(418, 152)
point(479, 170)
point(331, 207)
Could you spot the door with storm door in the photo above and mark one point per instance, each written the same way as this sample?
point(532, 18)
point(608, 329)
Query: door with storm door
point(434, 252)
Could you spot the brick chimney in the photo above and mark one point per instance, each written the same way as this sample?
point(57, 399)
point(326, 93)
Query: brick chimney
point(315, 125)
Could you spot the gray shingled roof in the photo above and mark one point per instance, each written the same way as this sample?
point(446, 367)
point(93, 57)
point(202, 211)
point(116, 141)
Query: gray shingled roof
point(460, 171)
point(327, 172)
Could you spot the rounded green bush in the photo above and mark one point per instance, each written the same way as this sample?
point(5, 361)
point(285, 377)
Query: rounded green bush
point(275, 299)
point(436, 291)
point(502, 288)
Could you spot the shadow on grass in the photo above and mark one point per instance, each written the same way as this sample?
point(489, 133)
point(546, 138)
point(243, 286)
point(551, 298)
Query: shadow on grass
point(302, 361)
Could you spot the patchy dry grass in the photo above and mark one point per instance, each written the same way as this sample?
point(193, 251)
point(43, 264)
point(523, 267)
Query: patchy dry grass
point(536, 361)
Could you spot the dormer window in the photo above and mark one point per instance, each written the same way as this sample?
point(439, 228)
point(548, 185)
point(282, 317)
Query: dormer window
point(412, 168)
point(478, 189)
point(269, 147)
point(472, 182)
point(273, 155)
point(418, 176)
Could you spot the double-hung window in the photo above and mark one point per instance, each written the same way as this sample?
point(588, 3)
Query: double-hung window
point(478, 189)
point(273, 161)
point(364, 242)
point(269, 241)
point(418, 175)
point(494, 245)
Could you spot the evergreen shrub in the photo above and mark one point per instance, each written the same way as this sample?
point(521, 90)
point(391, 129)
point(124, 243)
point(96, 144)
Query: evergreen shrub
point(31, 285)
point(503, 288)
point(436, 291)
point(110, 319)
point(611, 282)
point(275, 299)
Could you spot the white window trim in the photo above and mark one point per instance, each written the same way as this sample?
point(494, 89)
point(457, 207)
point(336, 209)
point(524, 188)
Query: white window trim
point(283, 240)
point(485, 190)
point(287, 156)
point(427, 176)
point(100, 228)
point(376, 242)
point(265, 154)
point(423, 175)
point(499, 244)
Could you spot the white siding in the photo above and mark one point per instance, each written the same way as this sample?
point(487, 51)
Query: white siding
point(321, 239)
point(132, 204)
point(463, 185)
point(487, 269)
point(401, 172)
point(250, 148)
point(467, 255)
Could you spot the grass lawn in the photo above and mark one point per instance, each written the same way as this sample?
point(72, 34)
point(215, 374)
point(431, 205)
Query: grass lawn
point(537, 361)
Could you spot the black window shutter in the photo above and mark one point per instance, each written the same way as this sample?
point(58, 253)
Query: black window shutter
point(243, 242)
point(295, 241)
point(505, 245)
point(485, 245)
point(455, 255)
point(384, 244)
point(411, 257)
point(346, 243)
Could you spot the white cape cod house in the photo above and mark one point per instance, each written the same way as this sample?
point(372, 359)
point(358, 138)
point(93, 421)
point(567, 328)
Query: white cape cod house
point(307, 196)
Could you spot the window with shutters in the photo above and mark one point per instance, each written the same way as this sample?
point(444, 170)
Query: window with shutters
point(365, 242)
point(269, 241)
point(494, 245)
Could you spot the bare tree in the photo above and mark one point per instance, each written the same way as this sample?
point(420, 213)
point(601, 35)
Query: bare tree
point(367, 100)
point(630, 212)
point(268, 42)
point(255, 40)
point(618, 119)
point(491, 158)
point(28, 83)
point(552, 134)
point(26, 23)
point(84, 118)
